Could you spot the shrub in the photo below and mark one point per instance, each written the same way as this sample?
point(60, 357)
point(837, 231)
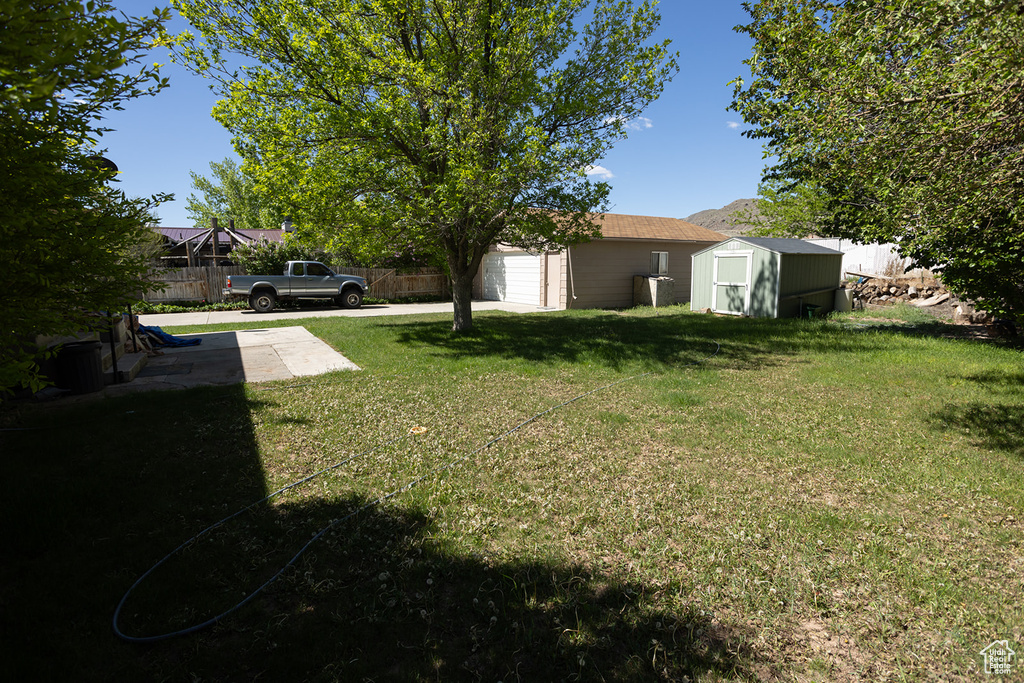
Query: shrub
point(264, 257)
point(146, 307)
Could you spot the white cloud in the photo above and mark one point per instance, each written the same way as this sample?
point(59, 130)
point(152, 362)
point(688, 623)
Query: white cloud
point(640, 123)
point(600, 171)
point(732, 124)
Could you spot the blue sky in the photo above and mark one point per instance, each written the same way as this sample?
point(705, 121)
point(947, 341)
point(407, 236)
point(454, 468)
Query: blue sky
point(687, 154)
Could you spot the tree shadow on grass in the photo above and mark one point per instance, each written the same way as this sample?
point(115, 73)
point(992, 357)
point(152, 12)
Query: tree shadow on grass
point(616, 340)
point(101, 492)
point(91, 489)
point(378, 599)
point(1008, 383)
point(990, 424)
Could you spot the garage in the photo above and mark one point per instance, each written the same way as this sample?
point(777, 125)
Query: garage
point(512, 277)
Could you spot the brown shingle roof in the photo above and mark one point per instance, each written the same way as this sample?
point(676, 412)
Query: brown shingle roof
point(624, 227)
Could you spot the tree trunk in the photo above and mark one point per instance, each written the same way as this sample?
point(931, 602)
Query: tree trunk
point(462, 299)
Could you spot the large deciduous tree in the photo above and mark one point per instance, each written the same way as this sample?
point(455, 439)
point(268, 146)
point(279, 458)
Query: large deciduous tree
point(230, 194)
point(70, 244)
point(433, 126)
point(906, 119)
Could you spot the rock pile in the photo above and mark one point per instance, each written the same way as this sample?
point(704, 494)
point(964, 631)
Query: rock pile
point(929, 295)
point(880, 291)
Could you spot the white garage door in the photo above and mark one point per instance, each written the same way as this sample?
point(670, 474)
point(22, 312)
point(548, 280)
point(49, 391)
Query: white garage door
point(513, 277)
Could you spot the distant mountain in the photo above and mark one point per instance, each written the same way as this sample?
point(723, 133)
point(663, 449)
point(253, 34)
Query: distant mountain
point(723, 220)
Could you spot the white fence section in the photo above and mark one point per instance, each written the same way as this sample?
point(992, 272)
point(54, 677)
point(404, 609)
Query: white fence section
point(872, 259)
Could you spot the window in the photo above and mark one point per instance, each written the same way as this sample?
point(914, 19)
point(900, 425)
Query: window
point(317, 270)
point(659, 263)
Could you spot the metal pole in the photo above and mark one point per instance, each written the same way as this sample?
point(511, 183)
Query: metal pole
point(113, 351)
point(131, 329)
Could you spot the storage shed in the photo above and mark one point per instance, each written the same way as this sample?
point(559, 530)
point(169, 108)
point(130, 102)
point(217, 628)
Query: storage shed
point(765, 277)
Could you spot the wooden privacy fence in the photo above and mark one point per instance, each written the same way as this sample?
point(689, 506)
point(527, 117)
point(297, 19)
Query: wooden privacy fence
point(204, 283)
point(388, 283)
point(199, 283)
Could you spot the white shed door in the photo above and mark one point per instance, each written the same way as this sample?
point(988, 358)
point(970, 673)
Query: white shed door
point(513, 277)
point(730, 291)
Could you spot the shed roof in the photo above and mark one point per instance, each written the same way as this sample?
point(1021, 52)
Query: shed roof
point(787, 245)
point(627, 227)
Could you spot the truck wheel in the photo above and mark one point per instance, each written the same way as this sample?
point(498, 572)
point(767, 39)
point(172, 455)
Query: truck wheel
point(262, 302)
point(350, 298)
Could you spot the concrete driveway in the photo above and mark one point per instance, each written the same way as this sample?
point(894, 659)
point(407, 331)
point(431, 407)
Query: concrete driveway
point(215, 317)
point(261, 355)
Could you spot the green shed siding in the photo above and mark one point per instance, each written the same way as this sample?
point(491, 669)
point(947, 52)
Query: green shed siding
point(808, 274)
point(700, 288)
point(764, 284)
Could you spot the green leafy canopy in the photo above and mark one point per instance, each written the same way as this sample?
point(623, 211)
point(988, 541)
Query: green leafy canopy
point(263, 257)
point(433, 126)
point(70, 244)
point(230, 194)
point(905, 122)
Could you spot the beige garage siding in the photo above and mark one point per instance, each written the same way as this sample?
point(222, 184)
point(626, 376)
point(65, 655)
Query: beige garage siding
point(602, 272)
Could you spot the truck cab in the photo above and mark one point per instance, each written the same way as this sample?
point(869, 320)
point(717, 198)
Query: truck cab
point(311, 278)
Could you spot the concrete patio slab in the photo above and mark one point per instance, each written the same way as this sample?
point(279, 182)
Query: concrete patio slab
point(238, 356)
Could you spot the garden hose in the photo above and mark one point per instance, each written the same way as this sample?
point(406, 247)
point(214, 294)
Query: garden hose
point(430, 473)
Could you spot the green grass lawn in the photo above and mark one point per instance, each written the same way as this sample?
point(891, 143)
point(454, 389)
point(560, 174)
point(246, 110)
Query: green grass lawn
point(759, 500)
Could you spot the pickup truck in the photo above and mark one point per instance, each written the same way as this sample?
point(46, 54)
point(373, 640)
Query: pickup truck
point(301, 280)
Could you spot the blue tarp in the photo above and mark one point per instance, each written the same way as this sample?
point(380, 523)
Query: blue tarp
point(161, 338)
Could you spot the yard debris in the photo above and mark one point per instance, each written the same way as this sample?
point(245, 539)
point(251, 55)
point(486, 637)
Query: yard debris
point(418, 430)
point(932, 300)
point(925, 292)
